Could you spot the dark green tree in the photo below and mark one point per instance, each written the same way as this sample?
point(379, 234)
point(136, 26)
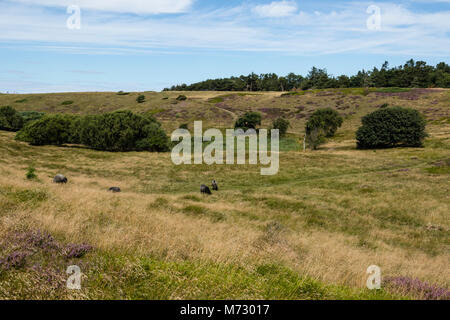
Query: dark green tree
point(250, 120)
point(391, 127)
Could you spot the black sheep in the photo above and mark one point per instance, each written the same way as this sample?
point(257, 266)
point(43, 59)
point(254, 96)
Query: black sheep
point(59, 178)
point(204, 189)
point(215, 186)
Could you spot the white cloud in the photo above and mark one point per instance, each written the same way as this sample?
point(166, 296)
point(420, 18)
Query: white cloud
point(120, 6)
point(342, 29)
point(276, 9)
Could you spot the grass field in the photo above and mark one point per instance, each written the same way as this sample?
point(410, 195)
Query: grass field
point(309, 232)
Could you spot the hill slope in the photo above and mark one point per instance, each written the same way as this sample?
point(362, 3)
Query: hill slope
point(309, 232)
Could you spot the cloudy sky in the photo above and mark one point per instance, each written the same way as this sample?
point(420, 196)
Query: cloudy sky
point(138, 45)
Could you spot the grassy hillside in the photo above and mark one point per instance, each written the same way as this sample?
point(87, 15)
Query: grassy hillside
point(220, 109)
point(309, 232)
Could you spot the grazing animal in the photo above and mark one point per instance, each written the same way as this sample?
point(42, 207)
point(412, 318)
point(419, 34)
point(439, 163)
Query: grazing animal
point(215, 186)
point(114, 189)
point(59, 178)
point(204, 189)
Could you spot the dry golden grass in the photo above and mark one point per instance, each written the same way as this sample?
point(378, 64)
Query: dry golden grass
point(329, 214)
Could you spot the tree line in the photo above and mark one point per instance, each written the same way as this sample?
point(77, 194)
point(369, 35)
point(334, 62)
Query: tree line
point(413, 74)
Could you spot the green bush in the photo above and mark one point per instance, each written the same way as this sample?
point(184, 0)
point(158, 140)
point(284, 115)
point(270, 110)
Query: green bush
point(67, 103)
point(155, 139)
point(31, 173)
point(322, 124)
point(282, 125)
point(249, 121)
point(123, 131)
point(140, 99)
point(50, 130)
point(10, 119)
point(315, 138)
point(327, 119)
point(391, 127)
point(117, 131)
point(181, 97)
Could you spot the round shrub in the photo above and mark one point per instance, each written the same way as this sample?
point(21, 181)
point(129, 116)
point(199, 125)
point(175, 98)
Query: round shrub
point(391, 127)
point(249, 121)
point(181, 97)
point(140, 99)
point(327, 119)
point(50, 130)
point(10, 119)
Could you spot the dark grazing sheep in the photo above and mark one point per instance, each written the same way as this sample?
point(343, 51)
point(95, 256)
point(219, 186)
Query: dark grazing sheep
point(215, 186)
point(204, 189)
point(59, 178)
point(114, 189)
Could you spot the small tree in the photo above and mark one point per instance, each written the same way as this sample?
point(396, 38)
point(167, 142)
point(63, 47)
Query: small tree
point(315, 138)
point(322, 124)
point(328, 119)
point(282, 125)
point(140, 99)
point(10, 119)
point(184, 126)
point(391, 127)
point(249, 121)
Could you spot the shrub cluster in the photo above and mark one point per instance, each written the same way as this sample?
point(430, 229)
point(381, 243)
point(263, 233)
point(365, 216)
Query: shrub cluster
point(117, 131)
point(391, 127)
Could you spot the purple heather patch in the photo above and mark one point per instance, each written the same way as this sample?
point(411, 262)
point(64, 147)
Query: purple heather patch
point(76, 250)
point(40, 240)
point(14, 260)
point(418, 288)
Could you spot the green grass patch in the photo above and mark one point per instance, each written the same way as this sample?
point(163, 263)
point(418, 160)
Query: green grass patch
point(392, 90)
point(438, 170)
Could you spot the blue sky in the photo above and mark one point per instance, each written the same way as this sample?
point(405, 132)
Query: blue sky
point(136, 45)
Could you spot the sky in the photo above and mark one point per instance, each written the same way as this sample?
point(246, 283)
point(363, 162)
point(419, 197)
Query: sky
point(147, 45)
